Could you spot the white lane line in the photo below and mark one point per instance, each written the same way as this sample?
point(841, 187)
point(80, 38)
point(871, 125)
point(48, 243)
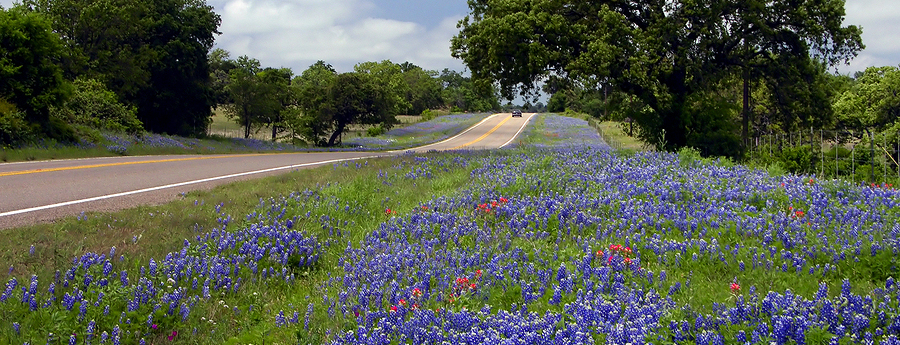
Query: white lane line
point(116, 195)
point(519, 132)
point(443, 141)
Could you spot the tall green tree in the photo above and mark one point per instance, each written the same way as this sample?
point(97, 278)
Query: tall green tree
point(153, 54)
point(358, 98)
point(220, 65)
point(278, 82)
point(313, 120)
point(255, 95)
point(873, 102)
point(389, 76)
point(30, 77)
point(463, 93)
point(668, 54)
point(423, 89)
point(330, 102)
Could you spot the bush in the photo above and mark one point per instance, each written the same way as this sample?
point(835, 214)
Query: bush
point(95, 106)
point(88, 134)
point(689, 157)
point(14, 130)
point(797, 159)
point(60, 131)
point(428, 115)
point(376, 131)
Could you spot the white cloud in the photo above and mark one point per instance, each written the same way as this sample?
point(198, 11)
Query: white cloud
point(878, 19)
point(297, 33)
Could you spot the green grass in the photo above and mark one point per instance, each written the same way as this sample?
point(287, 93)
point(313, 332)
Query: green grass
point(223, 126)
point(146, 232)
point(63, 152)
point(106, 148)
point(162, 228)
point(615, 133)
point(353, 198)
point(221, 137)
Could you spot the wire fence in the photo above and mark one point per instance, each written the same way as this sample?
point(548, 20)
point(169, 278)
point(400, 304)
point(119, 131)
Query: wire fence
point(857, 156)
point(231, 132)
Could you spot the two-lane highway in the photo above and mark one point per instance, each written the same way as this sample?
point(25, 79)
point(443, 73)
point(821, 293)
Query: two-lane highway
point(32, 192)
point(494, 132)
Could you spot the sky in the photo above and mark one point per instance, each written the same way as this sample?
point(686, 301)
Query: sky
point(297, 33)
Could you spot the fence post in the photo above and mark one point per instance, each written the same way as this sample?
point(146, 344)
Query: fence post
point(872, 160)
point(853, 163)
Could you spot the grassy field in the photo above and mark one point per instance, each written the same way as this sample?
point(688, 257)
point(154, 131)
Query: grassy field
point(224, 127)
point(227, 137)
point(559, 240)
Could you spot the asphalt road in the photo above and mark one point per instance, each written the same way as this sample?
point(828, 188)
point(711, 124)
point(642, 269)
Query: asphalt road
point(35, 192)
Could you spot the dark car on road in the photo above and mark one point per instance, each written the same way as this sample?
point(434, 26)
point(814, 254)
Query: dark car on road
point(517, 113)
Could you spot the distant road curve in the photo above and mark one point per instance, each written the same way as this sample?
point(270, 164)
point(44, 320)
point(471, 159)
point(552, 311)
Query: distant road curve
point(35, 192)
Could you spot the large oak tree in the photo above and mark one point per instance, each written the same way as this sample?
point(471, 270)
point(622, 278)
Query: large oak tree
point(670, 54)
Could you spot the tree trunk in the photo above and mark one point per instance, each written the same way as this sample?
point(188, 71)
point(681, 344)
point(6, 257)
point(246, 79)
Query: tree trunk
point(745, 121)
point(675, 136)
point(246, 124)
point(335, 135)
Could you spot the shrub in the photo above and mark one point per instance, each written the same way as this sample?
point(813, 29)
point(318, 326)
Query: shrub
point(797, 159)
point(94, 105)
point(428, 115)
point(375, 131)
point(14, 130)
point(60, 131)
point(689, 157)
point(88, 134)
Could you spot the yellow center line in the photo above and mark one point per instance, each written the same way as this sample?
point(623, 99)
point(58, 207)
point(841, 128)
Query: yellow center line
point(485, 134)
point(34, 171)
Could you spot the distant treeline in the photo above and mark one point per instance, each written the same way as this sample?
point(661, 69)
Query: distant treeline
point(319, 104)
point(72, 68)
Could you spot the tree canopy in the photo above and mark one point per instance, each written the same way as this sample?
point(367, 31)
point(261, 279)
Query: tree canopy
point(671, 56)
point(153, 54)
point(357, 98)
point(872, 102)
point(253, 100)
point(423, 89)
point(30, 77)
point(329, 102)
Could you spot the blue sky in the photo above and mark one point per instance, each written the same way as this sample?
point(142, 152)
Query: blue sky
point(296, 33)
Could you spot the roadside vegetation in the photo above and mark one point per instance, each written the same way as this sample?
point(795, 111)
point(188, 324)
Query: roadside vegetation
point(560, 239)
point(409, 134)
point(548, 241)
point(157, 74)
point(763, 95)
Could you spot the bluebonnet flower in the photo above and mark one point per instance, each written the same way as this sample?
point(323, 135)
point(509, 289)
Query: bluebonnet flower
point(279, 319)
point(309, 311)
